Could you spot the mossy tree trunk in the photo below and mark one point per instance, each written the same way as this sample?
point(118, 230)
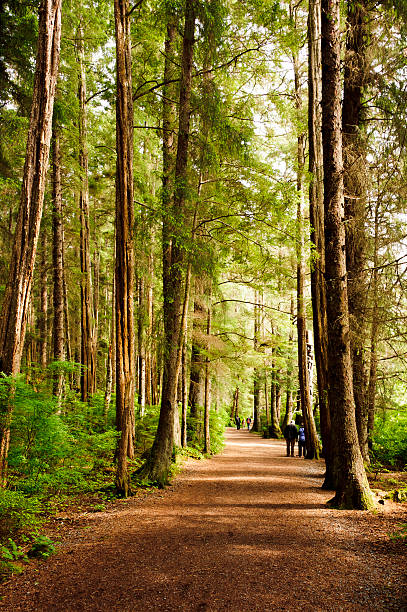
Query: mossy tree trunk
point(351, 486)
point(355, 181)
point(175, 277)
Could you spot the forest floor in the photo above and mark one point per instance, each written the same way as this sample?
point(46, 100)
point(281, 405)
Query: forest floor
point(247, 530)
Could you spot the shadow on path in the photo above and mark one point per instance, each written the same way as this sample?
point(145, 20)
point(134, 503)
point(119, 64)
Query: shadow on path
point(247, 530)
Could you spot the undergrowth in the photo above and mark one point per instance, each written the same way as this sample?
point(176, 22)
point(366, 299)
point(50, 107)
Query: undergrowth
point(62, 457)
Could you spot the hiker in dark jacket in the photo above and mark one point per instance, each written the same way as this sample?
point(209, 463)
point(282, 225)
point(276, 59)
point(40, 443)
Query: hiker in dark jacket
point(290, 435)
point(237, 421)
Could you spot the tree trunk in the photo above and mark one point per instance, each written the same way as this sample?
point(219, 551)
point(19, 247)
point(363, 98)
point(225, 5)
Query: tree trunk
point(355, 205)
point(371, 391)
point(207, 403)
point(352, 489)
point(197, 370)
point(235, 405)
point(256, 373)
point(150, 318)
point(141, 370)
point(88, 371)
point(18, 289)
point(311, 437)
point(57, 262)
point(289, 377)
point(158, 465)
point(266, 400)
point(124, 269)
point(274, 429)
point(184, 441)
point(316, 198)
point(111, 361)
point(43, 314)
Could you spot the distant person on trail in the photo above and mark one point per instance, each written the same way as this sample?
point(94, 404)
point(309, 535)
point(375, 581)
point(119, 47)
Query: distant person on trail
point(237, 421)
point(290, 435)
point(301, 441)
point(248, 421)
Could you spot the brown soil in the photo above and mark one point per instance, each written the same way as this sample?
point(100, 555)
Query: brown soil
point(246, 530)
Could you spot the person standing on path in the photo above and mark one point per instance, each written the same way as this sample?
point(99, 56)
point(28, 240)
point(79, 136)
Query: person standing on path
point(237, 420)
point(290, 435)
point(248, 421)
point(301, 441)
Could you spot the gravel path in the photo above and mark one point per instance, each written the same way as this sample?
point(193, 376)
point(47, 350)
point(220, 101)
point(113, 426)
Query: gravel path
point(247, 530)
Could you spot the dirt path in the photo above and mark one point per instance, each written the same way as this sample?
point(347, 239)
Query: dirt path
point(246, 530)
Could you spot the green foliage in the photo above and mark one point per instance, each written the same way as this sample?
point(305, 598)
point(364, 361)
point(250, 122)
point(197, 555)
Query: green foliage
point(12, 552)
point(42, 547)
point(390, 439)
point(18, 513)
point(57, 450)
point(145, 429)
point(217, 423)
point(401, 533)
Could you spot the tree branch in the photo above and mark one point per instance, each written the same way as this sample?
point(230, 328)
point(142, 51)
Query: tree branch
point(139, 3)
point(254, 304)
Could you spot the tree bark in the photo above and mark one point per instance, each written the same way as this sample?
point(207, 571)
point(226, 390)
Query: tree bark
point(88, 371)
point(371, 390)
point(355, 77)
point(174, 272)
point(274, 429)
point(235, 405)
point(256, 373)
point(111, 361)
point(352, 489)
point(141, 369)
point(184, 441)
point(57, 262)
point(207, 403)
point(266, 400)
point(289, 377)
point(316, 198)
point(43, 314)
point(17, 295)
point(124, 268)
point(311, 437)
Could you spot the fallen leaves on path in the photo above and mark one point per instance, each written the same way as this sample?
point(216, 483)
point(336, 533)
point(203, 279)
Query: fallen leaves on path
point(247, 530)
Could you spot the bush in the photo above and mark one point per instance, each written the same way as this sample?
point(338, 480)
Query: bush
point(390, 439)
point(217, 423)
point(18, 513)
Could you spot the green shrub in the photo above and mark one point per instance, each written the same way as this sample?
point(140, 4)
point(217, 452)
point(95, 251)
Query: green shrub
point(217, 423)
point(390, 439)
point(401, 533)
point(18, 513)
point(42, 548)
point(145, 429)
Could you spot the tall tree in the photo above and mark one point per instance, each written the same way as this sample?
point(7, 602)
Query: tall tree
point(124, 269)
point(316, 200)
point(354, 146)
point(158, 464)
point(88, 357)
point(57, 258)
point(311, 437)
point(17, 296)
point(256, 372)
point(352, 489)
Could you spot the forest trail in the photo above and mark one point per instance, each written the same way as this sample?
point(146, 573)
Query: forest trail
point(246, 530)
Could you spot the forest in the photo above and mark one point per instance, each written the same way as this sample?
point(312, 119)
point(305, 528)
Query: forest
point(203, 215)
